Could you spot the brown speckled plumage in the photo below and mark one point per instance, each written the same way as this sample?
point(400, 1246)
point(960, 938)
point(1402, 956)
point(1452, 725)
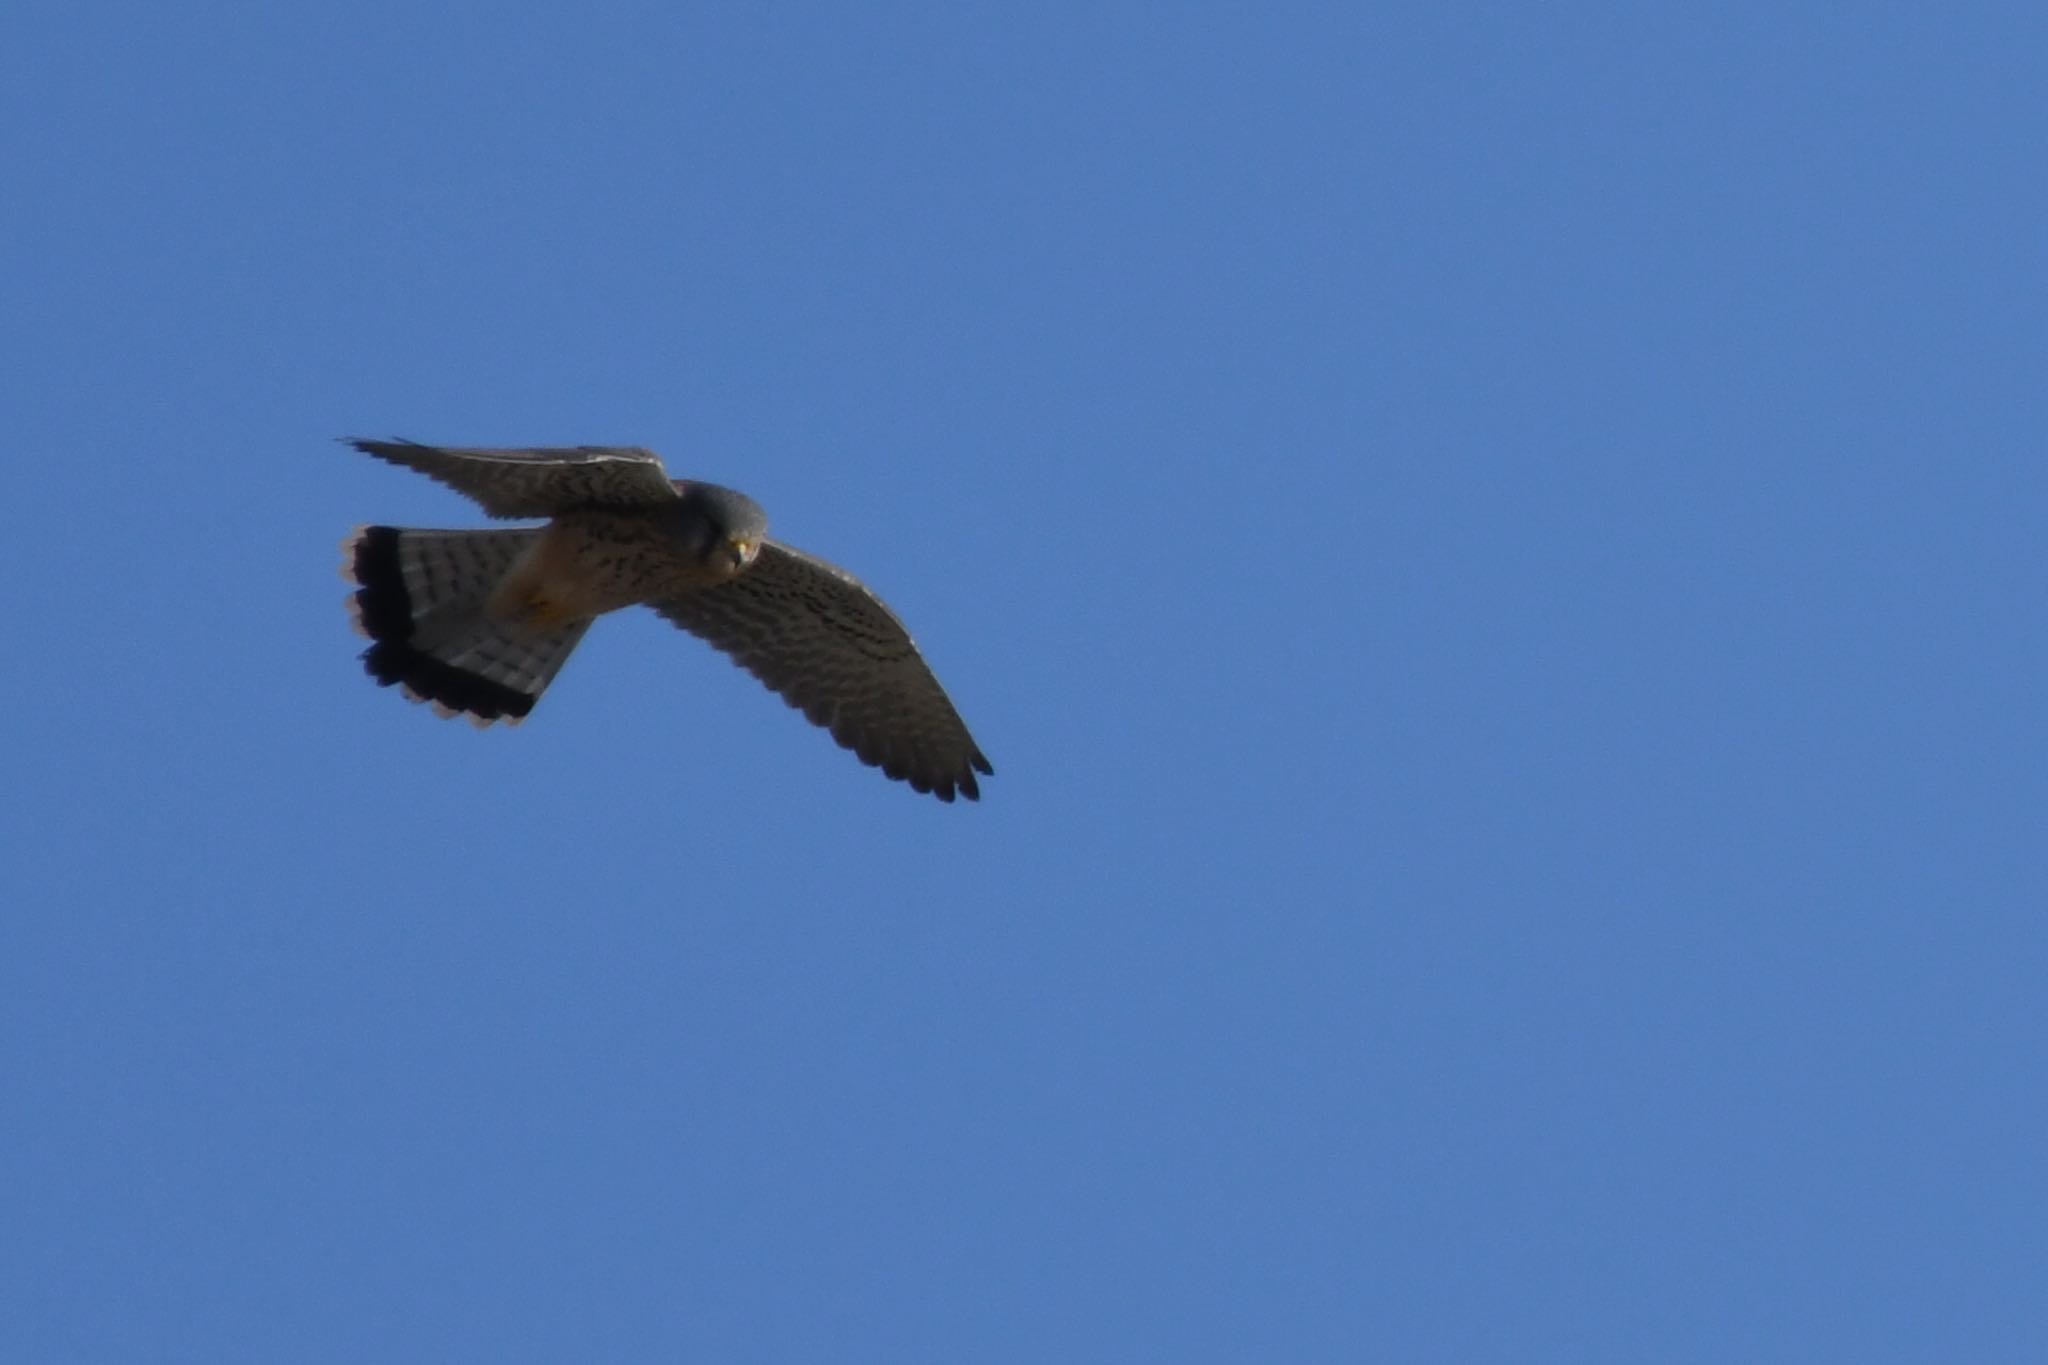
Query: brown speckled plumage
point(478, 622)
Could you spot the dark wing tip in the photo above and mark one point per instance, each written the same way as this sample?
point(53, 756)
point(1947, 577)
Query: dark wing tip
point(920, 777)
point(381, 449)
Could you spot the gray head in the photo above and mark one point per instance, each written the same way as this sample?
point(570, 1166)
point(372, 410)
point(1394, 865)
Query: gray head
point(721, 527)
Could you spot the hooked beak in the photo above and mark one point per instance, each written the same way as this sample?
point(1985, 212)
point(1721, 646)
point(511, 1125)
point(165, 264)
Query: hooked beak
point(742, 550)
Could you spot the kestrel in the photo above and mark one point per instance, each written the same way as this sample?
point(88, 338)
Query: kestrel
point(479, 622)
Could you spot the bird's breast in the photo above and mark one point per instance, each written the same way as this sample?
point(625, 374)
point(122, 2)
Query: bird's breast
point(585, 564)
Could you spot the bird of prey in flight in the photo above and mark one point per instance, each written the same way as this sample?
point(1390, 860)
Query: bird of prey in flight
point(478, 622)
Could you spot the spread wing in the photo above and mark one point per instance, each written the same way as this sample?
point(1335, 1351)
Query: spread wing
point(813, 633)
point(537, 482)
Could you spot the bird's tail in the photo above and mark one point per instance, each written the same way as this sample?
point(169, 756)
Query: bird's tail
point(423, 600)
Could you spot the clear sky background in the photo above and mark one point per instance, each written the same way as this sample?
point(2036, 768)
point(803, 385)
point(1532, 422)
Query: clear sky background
point(1497, 551)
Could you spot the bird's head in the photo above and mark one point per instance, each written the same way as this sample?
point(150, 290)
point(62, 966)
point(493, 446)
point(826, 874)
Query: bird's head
point(724, 529)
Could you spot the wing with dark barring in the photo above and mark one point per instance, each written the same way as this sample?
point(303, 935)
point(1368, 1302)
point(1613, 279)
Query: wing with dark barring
point(815, 634)
point(536, 481)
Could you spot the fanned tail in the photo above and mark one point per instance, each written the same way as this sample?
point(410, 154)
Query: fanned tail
point(422, 600)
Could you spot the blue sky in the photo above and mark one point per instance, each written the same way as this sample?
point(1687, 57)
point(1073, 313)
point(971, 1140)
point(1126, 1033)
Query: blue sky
point(1496, 550)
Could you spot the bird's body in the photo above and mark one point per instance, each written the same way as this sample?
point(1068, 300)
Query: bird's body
point(589, 562)
point(479, 622)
